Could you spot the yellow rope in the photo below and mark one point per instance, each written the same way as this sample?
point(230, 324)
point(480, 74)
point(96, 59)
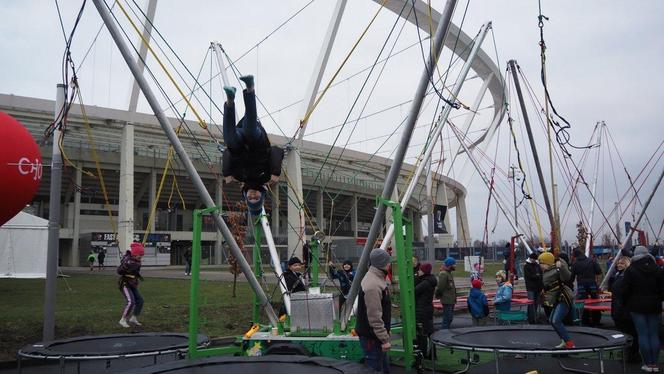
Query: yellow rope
point(174, 185)
point(304, 120)
point(97, 164)
point(164, 174)
point(201, 121)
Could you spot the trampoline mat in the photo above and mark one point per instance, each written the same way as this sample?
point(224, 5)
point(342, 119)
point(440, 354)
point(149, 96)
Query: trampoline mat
point(112, 345)
point(528, 337)
point(274, 364)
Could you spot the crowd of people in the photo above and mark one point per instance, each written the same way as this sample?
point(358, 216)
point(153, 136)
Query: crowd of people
point(553, 284)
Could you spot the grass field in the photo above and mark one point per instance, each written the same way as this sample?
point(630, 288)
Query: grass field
point(94, 305)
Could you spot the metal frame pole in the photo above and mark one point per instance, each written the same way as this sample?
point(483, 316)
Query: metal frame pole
point(50, 287)
point(549, 210)
point(592, 202)
point(184, 157)
point(395, 169)
point(628, 237)
point(439, 127)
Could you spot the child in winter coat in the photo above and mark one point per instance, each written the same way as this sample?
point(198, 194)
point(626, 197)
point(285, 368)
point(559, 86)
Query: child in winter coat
point(503, 299)
point(345, 277)
point(130, 274)
point(478, 304)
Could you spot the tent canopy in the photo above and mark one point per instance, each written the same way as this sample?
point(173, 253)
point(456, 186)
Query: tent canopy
point(23, 247)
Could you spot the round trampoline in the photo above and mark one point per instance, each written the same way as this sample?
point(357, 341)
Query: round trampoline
point(110, 347)
point(274, 364)
point(531, 339)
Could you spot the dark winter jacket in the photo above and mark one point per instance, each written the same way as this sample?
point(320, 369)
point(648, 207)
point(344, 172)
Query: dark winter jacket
point(424, 290)
point(345, 278)
point(616, 283)
point(254, 164)
point(584, 269)
point(374, 308)
point(478, 305)
point(532, 272)
point(129, 271)
point(642, 288)
point(294, 281)
point(555, 289)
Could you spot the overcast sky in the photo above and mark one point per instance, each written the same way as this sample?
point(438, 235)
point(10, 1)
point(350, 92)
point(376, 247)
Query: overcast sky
point(603, 63)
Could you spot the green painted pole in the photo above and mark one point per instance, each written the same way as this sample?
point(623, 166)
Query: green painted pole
point(404, 250)
point(195, 279)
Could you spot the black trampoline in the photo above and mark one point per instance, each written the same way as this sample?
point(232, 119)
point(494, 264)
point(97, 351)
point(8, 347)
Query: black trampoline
point(531, 339)
point(109, 347)
point(274, 364)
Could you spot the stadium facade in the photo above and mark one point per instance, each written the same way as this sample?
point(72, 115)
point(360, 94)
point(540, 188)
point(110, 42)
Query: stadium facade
point(343, 209)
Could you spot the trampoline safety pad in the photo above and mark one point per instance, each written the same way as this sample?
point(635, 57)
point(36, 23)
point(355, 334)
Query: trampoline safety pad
point(110, 346)
point(528, 338)
point(272, 364)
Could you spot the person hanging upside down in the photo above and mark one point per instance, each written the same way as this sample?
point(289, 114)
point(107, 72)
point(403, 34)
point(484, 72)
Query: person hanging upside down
point(250, 158)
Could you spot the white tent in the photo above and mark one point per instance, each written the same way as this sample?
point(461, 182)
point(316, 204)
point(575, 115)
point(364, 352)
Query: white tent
point(23, 247)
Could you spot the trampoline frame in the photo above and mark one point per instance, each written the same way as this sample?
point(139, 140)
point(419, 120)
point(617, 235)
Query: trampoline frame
point(496, 351)
point(204, 341)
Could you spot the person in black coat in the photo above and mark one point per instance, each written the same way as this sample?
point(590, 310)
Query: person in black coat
point(249, 158)
point(532, 273)
point(585, 271)
point(293, 279)
point(642, 294)
point(620, 315)
point(424, 291)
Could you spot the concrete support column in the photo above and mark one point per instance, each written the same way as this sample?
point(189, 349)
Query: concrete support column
point(126, 189)
point(295, 214)
point(153, 197)
point(76, 232)
point(320, 212)
point(417, 227)
point(219, 240)
point(275, 218)
point(353, 215)
point(463, 236)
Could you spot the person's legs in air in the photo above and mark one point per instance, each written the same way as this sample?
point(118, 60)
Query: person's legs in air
point(138, 305)
point(232, 137)
point(250, 129)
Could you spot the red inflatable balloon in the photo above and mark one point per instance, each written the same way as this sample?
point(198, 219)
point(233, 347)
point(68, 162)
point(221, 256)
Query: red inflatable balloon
point(20, 167)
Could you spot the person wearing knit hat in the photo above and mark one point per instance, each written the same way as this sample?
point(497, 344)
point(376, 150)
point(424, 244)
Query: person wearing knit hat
point(130, 274)
point(643, 287)
point(374, 313)
point(345, 276)
point(424, 291)
point(446, 291)
point(532, 273)
point(249, 157)
point(557, 295)
point(293, 279)
point(503, 299)
point(478, 305)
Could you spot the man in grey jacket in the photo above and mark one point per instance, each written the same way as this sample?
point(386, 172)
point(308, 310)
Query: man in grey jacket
point(374, 313)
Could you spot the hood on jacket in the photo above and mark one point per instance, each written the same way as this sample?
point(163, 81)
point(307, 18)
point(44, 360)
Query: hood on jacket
point(645, 263)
